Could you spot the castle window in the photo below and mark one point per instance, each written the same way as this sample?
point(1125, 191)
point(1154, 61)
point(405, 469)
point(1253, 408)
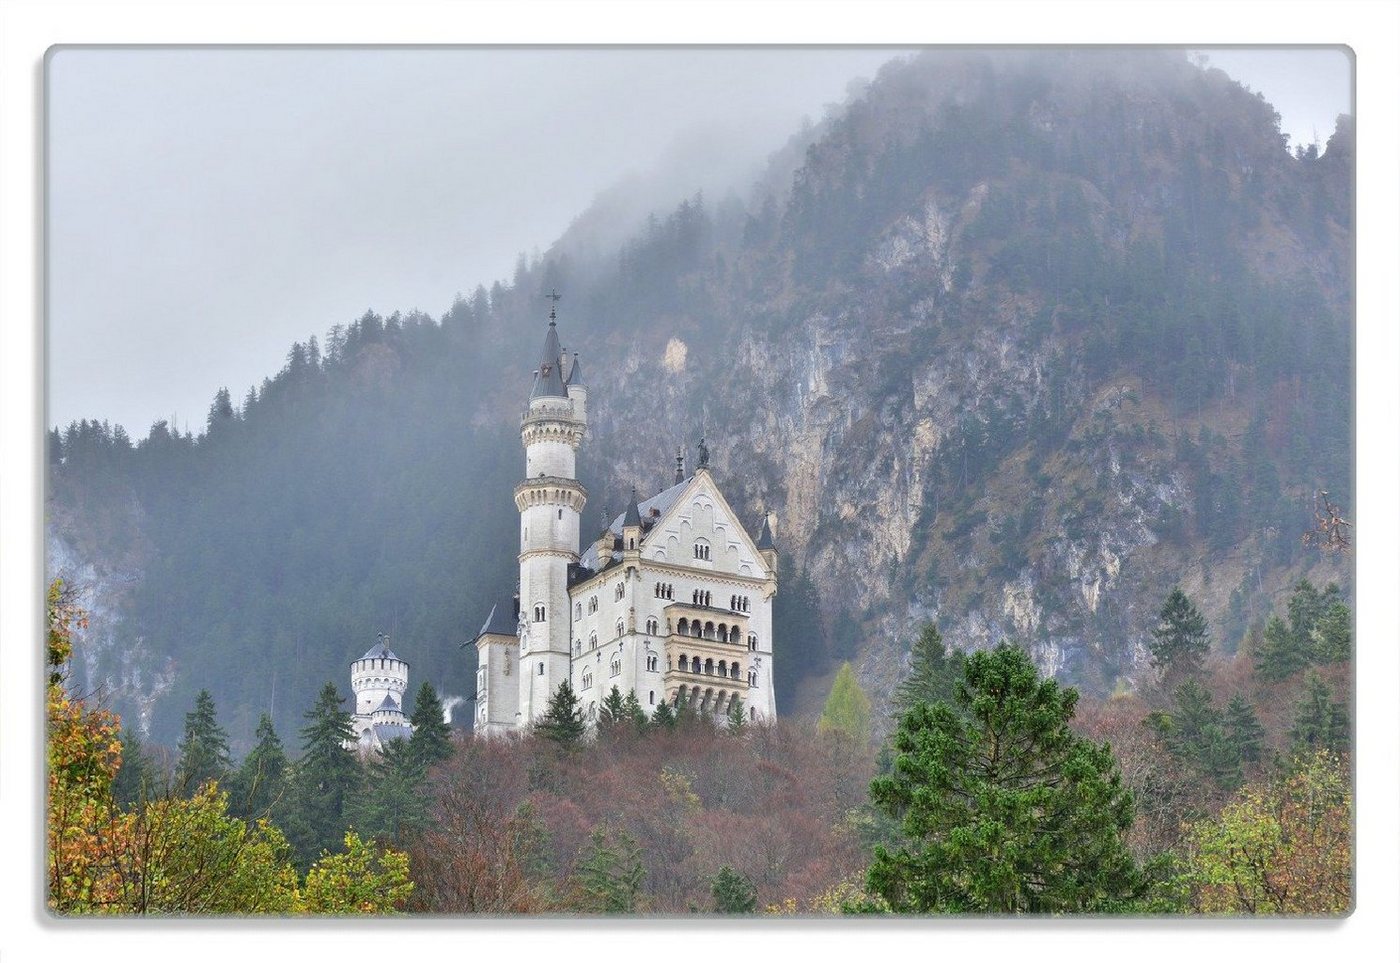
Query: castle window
point(753, 713)
point(753, 642)
point(592, 641)
point(651, 698)
point(619, 591)
point(753, 677)
point(651, 663)
point(561, 514)
point(702, 550)
point(539, 613)
point(541, 669)
point(619, 628)
point(578, 611)
point(592, 604)
point(587, 679)
point(651, 626)
point(615, 668)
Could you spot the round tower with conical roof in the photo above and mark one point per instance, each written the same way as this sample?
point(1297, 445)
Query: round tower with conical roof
point(379, 679)
point(550, 501)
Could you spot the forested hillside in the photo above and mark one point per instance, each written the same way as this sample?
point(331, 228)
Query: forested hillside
point(1015, 342)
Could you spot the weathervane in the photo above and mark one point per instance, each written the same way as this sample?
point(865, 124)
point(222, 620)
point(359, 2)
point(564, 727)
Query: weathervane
point(553, 296)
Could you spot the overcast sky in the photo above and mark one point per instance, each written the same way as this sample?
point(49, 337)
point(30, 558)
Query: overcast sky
point(208, 207)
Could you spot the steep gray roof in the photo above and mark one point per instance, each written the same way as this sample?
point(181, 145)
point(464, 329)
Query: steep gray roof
point(549, 380)
point(633, 516)
point(388, 731)
point(662, 502)
point(765, 537)
point(389, 703)
point(499, 621)
point(575, 373)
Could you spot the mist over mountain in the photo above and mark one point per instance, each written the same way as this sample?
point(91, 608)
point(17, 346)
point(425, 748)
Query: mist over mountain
point(1013, 341)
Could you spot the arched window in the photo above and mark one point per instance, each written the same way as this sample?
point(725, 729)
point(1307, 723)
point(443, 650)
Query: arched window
point(587, 679)
point(753, 677)
point(683, 626)
point(619, 628)
point(578, 611)
point(592, 604)
point(540, 669)
point(702, 549)
point(685, 663)
point(619, 591)
point(753, 642)
point(615, 667)
point(734, 670)
point(709, 666)
point(539, 613)
point(592, 641)
point(651, 697)
point(753, 713)
point(652, 626)
point(651, 663)
point(578, 646)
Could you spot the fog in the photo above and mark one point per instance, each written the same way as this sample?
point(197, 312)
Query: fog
point(208, 207)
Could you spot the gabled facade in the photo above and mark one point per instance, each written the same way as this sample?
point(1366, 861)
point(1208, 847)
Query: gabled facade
point(672, 601)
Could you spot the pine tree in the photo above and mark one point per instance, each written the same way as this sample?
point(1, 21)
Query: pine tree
point(135, 780)
point(1003, 808)
point(203, 748)
point(1282, 653)
point(733, 892)
point(259, 787)
point(612, 712)
point(1219, 757)
point(634, 713)
point(737, 722)
point(1244, 730)
point(610, 872)
point(1319, 722)
point(1180, 642)
point(1194, 714)
point(431, 741)
point(325, 779)
point(562, 722)
point(933, 672)
point(391, 804)
point(847, 709)
point(664, 717)
point(1331, 635)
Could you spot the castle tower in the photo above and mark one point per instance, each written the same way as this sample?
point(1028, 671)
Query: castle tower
point(379, 679)
point(550, 501)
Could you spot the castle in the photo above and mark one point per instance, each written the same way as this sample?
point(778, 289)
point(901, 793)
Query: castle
point(379, 679)
point(672, 601)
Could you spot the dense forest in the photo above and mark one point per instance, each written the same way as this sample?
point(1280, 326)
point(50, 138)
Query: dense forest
point(1014, 342)
point(1222, 787)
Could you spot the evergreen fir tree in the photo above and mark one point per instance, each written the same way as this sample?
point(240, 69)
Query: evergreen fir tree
point(610, 872)
point(325, 779)
point(1331, 635)
point(1003, 807)
point(612, 712)
point(258, 788)
point(664, 717)
point(1219, 757)
point(203, 749)
point(135, 780)
point(1180, 642)
point(733, 892)
point(1282, 653)
point(634, 713)
point(1244, 730)
point(562, 722)
point(737, 722)
point(933, 672)
point(431, 741)
point(1194, 713)
point(847, 709)
point(1320, 723)
point(391, 803)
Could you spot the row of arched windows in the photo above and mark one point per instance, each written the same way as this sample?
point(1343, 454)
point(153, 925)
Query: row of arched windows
point(665, 590)
point(729, 670)
point(702, 550)
point(700, 597)
point(708, 630)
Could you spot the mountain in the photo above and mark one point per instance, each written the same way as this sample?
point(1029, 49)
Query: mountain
point(1015, 341)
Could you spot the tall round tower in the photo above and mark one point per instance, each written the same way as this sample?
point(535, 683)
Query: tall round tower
point(378, 674)
point(550, 501)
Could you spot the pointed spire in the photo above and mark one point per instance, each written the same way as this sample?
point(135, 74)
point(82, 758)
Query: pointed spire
point(680, 464)
point(634, 512)
point(765, 537)
point(575, 374)
point(549, 380)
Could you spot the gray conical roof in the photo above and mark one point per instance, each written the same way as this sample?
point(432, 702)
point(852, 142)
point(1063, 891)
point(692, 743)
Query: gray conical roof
point(500, 621)
point(765, 537)
point(380, 650)
point(634, 514)
point(389, 703)
point(549, 380)
point(576, 373)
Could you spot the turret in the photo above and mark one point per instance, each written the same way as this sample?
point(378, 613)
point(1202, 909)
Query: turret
point(578, 391)
point(632, 525)
point(377, 674)
point(549, 500)
point(765, 545)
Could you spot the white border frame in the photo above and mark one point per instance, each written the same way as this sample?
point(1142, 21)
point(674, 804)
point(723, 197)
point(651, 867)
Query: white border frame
point(1372, 30)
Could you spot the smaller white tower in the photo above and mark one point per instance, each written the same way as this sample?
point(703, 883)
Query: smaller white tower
point(379, 679)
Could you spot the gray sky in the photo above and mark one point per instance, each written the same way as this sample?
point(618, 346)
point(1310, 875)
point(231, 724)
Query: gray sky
point(208, 207)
